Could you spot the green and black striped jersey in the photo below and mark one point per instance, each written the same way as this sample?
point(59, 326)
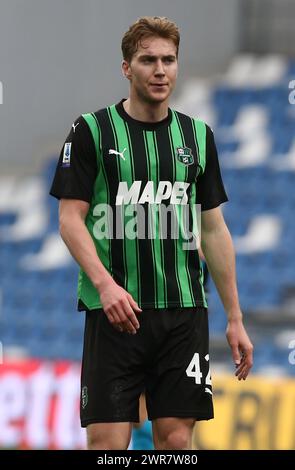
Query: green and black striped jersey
point(130, 172)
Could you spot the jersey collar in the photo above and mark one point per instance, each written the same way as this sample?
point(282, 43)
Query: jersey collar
point(149, 126)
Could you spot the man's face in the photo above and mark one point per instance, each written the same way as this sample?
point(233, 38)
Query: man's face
point(153, 70)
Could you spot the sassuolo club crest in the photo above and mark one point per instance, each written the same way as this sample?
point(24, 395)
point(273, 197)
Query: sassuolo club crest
point(184, 155)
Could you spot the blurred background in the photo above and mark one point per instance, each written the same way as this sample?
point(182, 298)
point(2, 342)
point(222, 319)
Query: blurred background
point(59, 59)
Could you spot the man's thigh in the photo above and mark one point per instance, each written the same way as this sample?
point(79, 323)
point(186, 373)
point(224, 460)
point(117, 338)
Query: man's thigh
point(173, 433)
point(108, 436)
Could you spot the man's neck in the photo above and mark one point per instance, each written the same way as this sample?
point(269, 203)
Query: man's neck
point(146, 112)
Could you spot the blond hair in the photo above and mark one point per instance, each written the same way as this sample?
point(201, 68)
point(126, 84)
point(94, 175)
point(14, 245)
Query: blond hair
point(145, 27)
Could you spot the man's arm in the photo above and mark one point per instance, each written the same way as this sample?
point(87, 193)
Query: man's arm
point(117, 303)
point(218, 250)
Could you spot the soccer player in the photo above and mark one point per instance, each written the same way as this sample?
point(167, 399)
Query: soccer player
point(146, 324)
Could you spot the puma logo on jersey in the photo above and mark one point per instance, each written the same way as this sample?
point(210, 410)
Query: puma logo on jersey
point(114, 152)
point(74, 126)
point(177, 193)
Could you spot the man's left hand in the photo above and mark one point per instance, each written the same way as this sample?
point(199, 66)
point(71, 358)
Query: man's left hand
point(241, 346)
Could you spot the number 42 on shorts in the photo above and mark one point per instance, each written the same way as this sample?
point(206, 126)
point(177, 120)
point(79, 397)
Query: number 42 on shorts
point(194, 370)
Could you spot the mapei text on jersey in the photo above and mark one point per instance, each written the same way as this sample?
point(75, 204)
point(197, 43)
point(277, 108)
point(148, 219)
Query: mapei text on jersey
point(174, 193)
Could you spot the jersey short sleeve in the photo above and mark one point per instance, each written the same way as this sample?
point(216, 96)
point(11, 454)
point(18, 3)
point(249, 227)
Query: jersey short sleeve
point(76, 170)
point(210, 192)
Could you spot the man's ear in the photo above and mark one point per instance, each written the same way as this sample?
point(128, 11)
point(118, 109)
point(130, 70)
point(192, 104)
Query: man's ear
point(126, 69)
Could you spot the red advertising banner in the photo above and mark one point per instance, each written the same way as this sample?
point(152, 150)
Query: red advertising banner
point(39, 405)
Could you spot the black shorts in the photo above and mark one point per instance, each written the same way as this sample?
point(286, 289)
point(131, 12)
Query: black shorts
point(167, 359)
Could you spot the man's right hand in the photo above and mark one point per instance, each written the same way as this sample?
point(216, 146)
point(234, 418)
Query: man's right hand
point(119, 307)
